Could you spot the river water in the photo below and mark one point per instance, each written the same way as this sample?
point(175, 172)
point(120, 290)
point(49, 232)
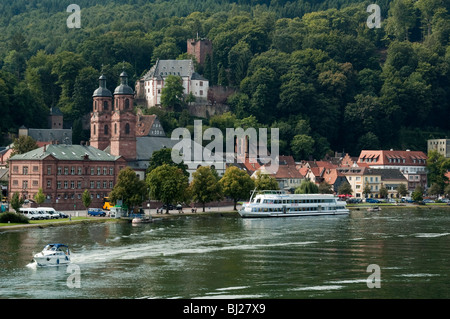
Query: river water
point(230, 257)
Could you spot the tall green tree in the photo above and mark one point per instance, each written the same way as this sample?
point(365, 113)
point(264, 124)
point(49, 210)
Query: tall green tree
point(86, 198)
point(437, 167)
point(168, 184)
point(39, 197)
point(236, 184)
point(172, 94)
point(129, 188)
point(265, 182)
point(205, 186)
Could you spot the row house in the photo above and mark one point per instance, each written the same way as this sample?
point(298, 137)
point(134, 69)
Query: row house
point(64, 172)
point(412, 164)
point(364, 177)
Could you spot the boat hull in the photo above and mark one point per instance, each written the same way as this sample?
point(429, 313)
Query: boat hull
point(44, 261)
point(245, 214)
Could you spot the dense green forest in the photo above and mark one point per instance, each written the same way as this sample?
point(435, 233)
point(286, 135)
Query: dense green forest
point(312, 68)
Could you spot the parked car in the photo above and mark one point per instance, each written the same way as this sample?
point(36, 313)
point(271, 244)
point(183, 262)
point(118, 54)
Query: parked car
point(427, 201)
point(96, 212)
point(164, 207)
point(62, 215)
point(373, 200)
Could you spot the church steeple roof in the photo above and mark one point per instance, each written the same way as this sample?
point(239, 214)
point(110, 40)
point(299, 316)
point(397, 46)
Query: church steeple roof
point(123, 88)
point(102, 90)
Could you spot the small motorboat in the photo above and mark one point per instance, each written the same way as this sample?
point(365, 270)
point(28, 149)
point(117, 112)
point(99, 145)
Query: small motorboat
point(53, 255)
point(374, 209)
point(141, 220)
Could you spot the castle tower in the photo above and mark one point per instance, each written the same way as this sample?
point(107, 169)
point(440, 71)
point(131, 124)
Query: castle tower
point(101, 116)
point(55, 118)
point(199, 48)
point(123, 121)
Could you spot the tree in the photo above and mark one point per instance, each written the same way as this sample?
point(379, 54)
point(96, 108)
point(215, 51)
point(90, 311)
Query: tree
point(437, 167)
point(265, 182)
point(86, 198)
point(39, 197)
point(302, 146)
point(172, 93)
point(383, 192)
point(23, 144)
point(205, 187)
point(16, 201)
point(345, 189)
point(307, 187)
point(435, 189)
point(168, 184)
point(129, 188)
point(164, 156)
point(236, 184)
point(367, 190)
point(417, 195)
point(402, 190)
point(325, 188)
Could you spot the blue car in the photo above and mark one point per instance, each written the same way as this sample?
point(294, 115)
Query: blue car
point(372, 200)
point(96, 212)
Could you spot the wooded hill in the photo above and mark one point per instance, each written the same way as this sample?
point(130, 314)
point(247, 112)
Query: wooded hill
point(314, 69)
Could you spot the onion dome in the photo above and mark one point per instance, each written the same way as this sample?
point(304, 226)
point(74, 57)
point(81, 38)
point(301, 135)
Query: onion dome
point(123, 88)
point(102, 90)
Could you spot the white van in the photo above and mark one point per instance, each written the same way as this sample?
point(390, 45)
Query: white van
point(50, 211)
point(30, 213)
point(44, 214)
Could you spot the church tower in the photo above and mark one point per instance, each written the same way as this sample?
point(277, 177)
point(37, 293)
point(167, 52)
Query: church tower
point(101, 116)
point(123, 121)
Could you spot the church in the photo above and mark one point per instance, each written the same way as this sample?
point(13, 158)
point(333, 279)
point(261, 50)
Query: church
point(119, 130)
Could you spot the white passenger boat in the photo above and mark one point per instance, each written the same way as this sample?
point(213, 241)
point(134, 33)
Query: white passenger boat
point(280, 204)
point(53, 255)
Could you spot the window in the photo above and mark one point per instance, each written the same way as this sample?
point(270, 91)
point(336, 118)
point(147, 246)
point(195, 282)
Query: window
point(66, 184)
point(92, 184)
point(79, 170)
point(24, 184)
point(49, 170)
point(105, 105)
point(79, 185)
point(72, 184)
point(111, 184)
point(105, 171)
point(99, 170)
point(111, 171)
point(58, 185)
point(49, 183)
point(92, 171)
point(127, 104)
point(25, 170)
point(106, 130)
point(127, 128)
point(72, 170)
point(105, 184)
point(66, 171)
point(95, 105)
point(94, 130)
point(35, 168)
point(98, 184)
point(16, 169)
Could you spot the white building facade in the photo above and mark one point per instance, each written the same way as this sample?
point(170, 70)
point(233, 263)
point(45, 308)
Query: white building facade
point(154, 80)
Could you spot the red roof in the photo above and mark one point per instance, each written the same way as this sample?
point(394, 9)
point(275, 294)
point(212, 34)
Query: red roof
point(398, 158)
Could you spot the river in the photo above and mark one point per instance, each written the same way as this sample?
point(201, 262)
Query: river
point(408, 251)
